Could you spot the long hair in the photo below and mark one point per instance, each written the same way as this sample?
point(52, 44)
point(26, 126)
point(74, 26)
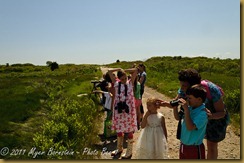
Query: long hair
point(143, 66)
point(120, 73)
point(135, 83)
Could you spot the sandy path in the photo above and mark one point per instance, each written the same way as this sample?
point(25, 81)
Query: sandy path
point(229, 148)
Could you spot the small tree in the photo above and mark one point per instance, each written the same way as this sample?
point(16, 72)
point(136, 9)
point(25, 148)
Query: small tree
point(48, 63)
point(118, 61)
point(52, 65)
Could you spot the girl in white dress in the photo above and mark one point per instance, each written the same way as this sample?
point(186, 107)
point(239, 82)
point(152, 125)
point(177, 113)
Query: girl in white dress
point(152, 142)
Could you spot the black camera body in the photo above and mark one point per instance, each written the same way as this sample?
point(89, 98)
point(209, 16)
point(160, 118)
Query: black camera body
point(122, 106)
point(174, 103)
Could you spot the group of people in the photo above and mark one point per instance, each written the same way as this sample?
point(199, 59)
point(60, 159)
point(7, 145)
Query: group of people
point(212, 114)
point(198, 107)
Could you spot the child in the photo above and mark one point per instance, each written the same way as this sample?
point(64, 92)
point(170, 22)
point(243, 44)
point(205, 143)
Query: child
point(152, 142)
point(137, 98)
point(142, 77)
point(124, 112)
point(194, 123)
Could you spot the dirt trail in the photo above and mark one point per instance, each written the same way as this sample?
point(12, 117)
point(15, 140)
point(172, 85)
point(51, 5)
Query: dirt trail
point(229, 148)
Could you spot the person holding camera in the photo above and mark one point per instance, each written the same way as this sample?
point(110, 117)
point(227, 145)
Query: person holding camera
point(218, 116)
point(124, 118)
point(194, 122)
point(152, 142)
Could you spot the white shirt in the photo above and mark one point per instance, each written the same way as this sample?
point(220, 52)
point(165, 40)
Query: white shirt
point(108, 100)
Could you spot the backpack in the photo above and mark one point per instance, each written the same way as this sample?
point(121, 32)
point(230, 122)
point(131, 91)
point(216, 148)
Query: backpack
point(204, 83)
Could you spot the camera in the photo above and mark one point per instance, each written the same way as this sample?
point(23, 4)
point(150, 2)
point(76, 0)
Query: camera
point(122, 106)
point(174, 102)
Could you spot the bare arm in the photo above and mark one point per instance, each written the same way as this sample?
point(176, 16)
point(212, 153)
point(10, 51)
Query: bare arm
point(176, 113)
point(133, 72)
point(219, 108)
point(97, 91)
point(164, 128)
point(189, 123)
point(166, 103)
point(144, 120)
point(163, 103)
point(111, 75)
point(130, 70)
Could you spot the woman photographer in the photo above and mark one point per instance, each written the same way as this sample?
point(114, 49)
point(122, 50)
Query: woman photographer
point(124, 118)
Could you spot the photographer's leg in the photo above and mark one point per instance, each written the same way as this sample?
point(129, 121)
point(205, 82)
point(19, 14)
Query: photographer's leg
point(212, 150)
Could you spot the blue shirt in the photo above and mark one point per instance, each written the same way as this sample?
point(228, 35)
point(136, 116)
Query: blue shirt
point(200, 119)
point(215, 94)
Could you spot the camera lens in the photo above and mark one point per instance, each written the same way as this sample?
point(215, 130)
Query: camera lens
point(174, 103)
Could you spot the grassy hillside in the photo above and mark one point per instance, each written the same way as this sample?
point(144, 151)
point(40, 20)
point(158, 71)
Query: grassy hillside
point(40, 109)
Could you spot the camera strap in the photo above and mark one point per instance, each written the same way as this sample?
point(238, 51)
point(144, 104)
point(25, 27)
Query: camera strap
point(181, 113)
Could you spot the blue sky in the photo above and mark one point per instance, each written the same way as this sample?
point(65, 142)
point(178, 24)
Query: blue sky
point(102, 31)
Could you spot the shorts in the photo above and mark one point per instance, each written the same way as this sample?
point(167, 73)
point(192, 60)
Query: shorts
point(192, 151)
point(216, 130)
point(137, 102)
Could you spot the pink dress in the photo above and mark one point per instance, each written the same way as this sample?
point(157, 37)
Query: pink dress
point(124, 122)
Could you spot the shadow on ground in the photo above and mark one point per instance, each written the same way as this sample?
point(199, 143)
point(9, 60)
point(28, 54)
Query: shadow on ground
point(109, 144)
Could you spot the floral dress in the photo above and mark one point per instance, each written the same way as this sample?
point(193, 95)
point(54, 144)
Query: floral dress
point(124, 122)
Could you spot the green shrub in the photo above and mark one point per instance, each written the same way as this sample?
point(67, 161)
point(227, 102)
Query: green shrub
point(69, 125)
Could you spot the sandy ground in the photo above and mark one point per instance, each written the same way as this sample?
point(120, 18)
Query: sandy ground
point(229, 148)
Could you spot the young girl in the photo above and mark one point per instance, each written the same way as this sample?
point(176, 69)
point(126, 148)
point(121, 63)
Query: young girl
point(152, 142)
point(124, 112)
point(137, 96)
point(142, 77)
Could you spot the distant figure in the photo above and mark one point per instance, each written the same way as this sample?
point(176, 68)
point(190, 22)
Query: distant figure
point(142, 77)
point(138, 100)
point(104, 84)
point(108, 102)
point(152, 142)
